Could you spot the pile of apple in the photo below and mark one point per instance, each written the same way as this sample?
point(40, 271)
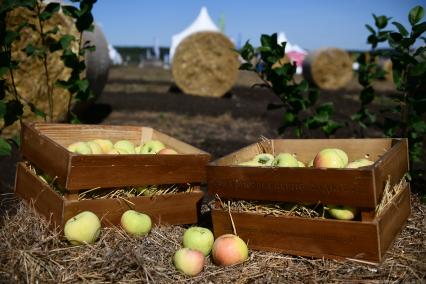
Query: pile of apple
point(198, 242)
point(105, 146)
point(326, 158)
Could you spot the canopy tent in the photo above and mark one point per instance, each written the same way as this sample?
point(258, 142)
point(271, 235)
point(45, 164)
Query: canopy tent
point(115, 57)
point(294, 52)
point(202, 23)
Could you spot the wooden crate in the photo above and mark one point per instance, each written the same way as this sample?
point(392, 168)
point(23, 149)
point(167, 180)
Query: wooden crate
point(363, 240)
point(44, 144)
point(361, 187)
point(178, 208)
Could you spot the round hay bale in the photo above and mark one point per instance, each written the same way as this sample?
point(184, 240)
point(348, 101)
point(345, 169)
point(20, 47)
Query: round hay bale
point(329, 69)
point(205, 64)
point(387, 67)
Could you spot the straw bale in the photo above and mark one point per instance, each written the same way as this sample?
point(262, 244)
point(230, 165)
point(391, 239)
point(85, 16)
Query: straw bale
point(329, 68)
point(205, 64)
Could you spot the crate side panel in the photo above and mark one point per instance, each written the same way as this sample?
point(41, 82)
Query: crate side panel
point(309, 237)
point(393, 218)
point(125, 170)
point(173, 209)
point(393, 164)
point(338, 186)
point(44, 153)
point(38, 194)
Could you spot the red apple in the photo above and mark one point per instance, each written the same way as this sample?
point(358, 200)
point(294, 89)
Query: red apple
point(189, 261)
point(330, 158)
point(229, 249)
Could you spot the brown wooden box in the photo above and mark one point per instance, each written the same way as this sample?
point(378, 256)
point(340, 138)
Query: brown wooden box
point(44, 144)
point(178, 208)
point(361, 187)
point(362, 240)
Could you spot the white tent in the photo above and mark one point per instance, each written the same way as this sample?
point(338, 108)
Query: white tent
point(115, 57)
point(202, 23)
point(294, 52)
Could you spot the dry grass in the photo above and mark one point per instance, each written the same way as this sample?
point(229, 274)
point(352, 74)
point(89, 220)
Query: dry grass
point(30, 253)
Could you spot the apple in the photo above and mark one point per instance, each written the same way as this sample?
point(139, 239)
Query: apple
point(136, 223)
point(105, 144)
point(198, 238)
point(342, 154)
point(229, 249)
point(152, 147)
point(301, 164)
point(96, 149)
point(189, 261)
point(359, 163)
point(80, 148)
point(83, 228)
point(167, 151)
point(117, 152)
point(138, 149)
point(285, 160)
point(342, 212)
point(329, 158)
point(263, 159)
point(125, 146)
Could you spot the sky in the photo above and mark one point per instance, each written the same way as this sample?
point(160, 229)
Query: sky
point(312, 24)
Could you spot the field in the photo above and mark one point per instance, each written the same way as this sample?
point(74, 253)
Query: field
point(29, 252)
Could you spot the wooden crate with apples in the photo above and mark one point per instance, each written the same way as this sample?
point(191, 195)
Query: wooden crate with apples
point(45, 148)
point(366, 237)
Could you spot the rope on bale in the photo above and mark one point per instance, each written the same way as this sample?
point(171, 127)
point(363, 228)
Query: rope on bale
point(329, 68)
point(205, 64)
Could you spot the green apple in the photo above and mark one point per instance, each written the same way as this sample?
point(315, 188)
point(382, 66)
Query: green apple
point(96, 149)
point(80, 148)
point(342, 212)
point(189, 261)
point(136, 223)
point(329, 158)
point(285, 160)
point(138, 149)
point(359, 163)
point(152, 147)
point(342, 154)
point(250, 164)
point(301, 164)
point(229, 249)
point(83, 228)
point(198, 238)
point(263, 159)
point(105, 144)
point(311, 163)
point(125, 146)
point(117, 152)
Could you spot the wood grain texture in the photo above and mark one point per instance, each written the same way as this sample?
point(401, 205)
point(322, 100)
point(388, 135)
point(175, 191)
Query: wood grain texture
point(355, 187)
point(45, 146)
point(302, 236)
point(39, 195)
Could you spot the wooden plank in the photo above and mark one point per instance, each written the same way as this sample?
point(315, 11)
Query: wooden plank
point(335, 186)
point(44, 153)
point(125, 170)
point(394, 164)
point(393, 218)
point(176, 209)
point(39, 195)
point(302, 236)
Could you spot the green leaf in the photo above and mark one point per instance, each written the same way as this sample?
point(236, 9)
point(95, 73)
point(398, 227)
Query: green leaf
point(418, 69)
point(14, 110)
point(367, 95)
point(331, 127)
point(313, 96)
point(37, 111)
point(381, 22)
point(400, 28)
point(418, 30)
point(84, 22)
point(3, 88)
point(3, 71)
point(415, 15)
point(29, 49)
point(74, 119)
point(66, 40)
point(71, 11)
point(2, 109)
point(326, 108)
point(289, 118)
point(10, 37)
point(5, 147)
point(49, 10)
point(246, 66)
point(370, 29)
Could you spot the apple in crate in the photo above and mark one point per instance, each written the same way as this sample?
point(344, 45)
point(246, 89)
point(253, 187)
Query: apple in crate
point(125, 146)
point(263, 159)
point(80, 148)
point(285, 160)
point(189, 261)
point(105, 144)
point(83, 228)
point(342, 212)
point(229, 249)
point(136, 223)
point(330, 158)
point(359, 163)
point(198, 238)
point(167, 151)
point(152, 147)
point(95, 147)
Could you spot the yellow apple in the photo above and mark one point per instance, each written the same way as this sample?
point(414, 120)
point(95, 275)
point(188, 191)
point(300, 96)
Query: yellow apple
point(83, 228)
point(125, 146)
point(80, 148)
point(96, 149)
point(136, 223)
point(152, 147)
point(285, 160)
point(329, 158)
point(105, 144)
point(342, 212)
point(359, 163)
